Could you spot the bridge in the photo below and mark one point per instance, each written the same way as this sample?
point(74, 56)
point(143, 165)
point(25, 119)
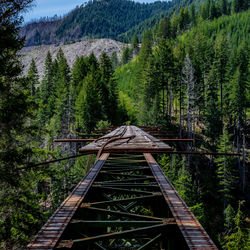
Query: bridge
point(124, 201)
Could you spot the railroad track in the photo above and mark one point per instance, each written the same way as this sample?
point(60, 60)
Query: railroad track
point(124, 202)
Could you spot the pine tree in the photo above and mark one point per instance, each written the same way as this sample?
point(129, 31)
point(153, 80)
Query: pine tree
point(164, 29)
point(126, 55)
point(114, 60)
point(239, 85)
point(93, 63)
point(135, 44)
point(229, 215)
point(17, 136)
point(189, 80)
point(193, 14)
point(227, 169)
point(224, 7)
point(149, 91)
point(33, 77)
point(46, 90)
point(88, 104)
point(212, 110)
point(62, 114)
point(165, 61)
point(108, 89)
point(239, 239)
point(146, 47)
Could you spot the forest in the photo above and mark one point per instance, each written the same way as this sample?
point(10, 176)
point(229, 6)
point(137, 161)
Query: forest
point(94, 19)
point(189, 75)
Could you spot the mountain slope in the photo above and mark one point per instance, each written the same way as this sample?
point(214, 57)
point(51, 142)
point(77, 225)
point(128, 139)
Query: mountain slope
point(150, 22)
point(96, 19)
point(71, 51)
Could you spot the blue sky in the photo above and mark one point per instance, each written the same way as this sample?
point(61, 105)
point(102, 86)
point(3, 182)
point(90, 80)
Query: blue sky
point(44, 8)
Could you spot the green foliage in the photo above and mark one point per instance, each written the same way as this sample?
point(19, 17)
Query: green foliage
point(108, 89)
point(227, 169)
point(229, 215)
point(126, 55)
point(88, 104)
point(95, 19)
point(212, 110)
point(146, 47)
point(33, 77)
point(47, 90)
point(114, 60)
point(135, 44)
point(20, 214)
point(61, 112)
point(239, 239)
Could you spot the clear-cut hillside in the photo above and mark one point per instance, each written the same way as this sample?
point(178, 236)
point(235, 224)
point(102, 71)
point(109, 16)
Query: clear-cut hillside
point(71, 51)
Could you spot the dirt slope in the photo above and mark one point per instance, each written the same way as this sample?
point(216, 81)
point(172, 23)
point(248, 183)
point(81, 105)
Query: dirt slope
point(71, 51)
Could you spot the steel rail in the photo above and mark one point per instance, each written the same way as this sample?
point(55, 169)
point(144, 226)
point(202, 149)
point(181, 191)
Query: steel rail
point(194, 234)
point(51, 232)
point(109, 207)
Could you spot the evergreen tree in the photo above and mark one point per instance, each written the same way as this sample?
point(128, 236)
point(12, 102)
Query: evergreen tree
point(33, 77)
point(46, 91)
point(93, 63)
point(164, 29)
point(227, 169)
point(193, 14)
point(184, 19)
point(108, 89)
point(135, 44)
point(61, 113)
point(165, 61)
point(229, 215)
point(224, 7)
point(189, 80)
point(212, 110)
point(239, 85)
point(88, 104)
point(114, 60)
point(239, 239)
point(150, 92)
point(146, 47)
point(126, 55)
point(19, 209)
point(221, 59)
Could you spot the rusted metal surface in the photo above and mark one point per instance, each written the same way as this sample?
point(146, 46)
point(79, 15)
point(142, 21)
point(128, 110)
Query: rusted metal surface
point(113, 215)
point(124, 202)
point(74, 140)
point(50, 233)
point(91, 139)
point(194, 234)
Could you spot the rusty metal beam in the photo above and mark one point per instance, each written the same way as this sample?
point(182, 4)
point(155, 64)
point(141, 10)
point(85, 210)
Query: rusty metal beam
point(66, 211)
point(92, 139)
point(138, 199)
point(123, 234)
point(156, 151)
point(120, 214)
point(194, 234)
point(115, 184)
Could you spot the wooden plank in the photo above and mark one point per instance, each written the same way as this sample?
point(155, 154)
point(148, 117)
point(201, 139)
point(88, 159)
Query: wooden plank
point(141, 142)
point(188, 224)
point(67, 208)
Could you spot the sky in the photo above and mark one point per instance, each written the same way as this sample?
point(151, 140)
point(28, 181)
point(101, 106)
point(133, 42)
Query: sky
point(48, 8)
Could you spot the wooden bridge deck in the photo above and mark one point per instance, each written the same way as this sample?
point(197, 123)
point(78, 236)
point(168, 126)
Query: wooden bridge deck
point(124, 202)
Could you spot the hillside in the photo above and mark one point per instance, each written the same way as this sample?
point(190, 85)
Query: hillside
point(71, 51)
point(152, 21)
point(96, 19)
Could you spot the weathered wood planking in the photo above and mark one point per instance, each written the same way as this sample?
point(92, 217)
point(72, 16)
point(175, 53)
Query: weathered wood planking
point(140, 141)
